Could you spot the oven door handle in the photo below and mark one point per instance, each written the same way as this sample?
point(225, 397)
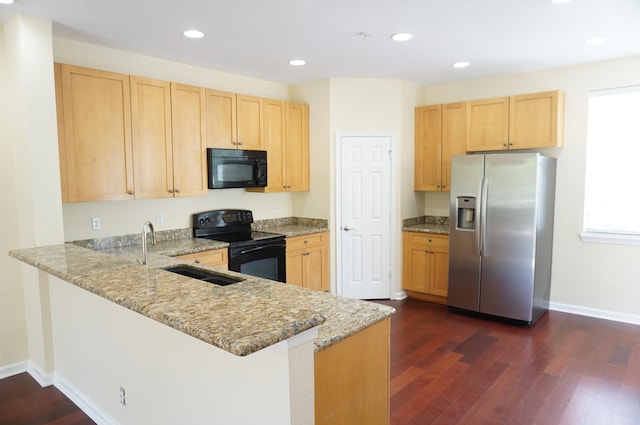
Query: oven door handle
point(260, 248)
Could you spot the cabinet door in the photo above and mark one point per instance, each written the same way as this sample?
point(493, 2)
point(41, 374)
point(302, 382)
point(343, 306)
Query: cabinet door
point(189, 150)
point(151, 138)
point(488, 124)
point(295, 267)
point(313, 274)
point(440, 282)
point(454, 137)
point(274, 144)
point(220, 119)
point(249, 122)
point(536, 120)
point(428, 148)
point(297, 170)
point(415, 264)
point(97, 163)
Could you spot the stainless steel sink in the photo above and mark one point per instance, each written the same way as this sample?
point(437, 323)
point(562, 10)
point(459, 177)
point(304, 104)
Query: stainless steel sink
point(203, 275)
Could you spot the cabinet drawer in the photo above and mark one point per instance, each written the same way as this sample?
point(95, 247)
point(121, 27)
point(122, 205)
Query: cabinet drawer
point(301, 242)
point(214, 257)
point(427, 239)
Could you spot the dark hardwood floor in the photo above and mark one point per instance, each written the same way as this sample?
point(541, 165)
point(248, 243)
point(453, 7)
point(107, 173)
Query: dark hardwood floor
point(24, 402)
point(449, 368)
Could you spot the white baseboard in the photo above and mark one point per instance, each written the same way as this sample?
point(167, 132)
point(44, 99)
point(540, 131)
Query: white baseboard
point(98, 415)
point(13, 369)
point(633, 319)
point(42, 378)
point(400, 295)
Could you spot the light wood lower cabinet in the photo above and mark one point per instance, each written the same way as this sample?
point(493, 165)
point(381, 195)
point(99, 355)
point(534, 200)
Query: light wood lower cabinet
point(213, 258)
point(308, 261)
point(352, 379)
point(425, 268)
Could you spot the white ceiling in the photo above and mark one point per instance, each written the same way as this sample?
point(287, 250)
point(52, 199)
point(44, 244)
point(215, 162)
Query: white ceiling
point(258, 37)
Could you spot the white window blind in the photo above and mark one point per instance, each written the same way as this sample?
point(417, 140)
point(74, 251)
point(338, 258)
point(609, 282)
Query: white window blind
point(612, 198)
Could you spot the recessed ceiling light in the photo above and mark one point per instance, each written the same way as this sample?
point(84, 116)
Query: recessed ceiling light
point(461, 64)
point(595, 40)
point(7, 1)
point(193, 34)
point(401, 36)
point(297, 62)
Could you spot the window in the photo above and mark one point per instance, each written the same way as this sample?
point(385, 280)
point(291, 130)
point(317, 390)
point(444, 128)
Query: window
point(612, 201)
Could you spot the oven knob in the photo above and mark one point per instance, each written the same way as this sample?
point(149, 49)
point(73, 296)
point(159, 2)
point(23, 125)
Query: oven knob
point(206, 220)
point(202, 221)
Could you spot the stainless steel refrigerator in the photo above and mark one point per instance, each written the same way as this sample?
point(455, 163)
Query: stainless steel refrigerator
point(501, 234)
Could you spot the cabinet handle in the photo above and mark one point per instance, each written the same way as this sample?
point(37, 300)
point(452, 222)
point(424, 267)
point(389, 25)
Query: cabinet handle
point(197, 261)
point(510, 143)
point(131, 192)
point(177, 190)
point(240, 143)
point(505, 144)
point(170, 190)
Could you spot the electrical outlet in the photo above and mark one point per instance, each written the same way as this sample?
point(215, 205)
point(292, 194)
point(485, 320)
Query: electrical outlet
point(123, 399)
point(95, 223)
point(159, 217)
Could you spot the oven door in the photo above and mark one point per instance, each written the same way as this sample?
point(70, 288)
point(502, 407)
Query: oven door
point(266, 260)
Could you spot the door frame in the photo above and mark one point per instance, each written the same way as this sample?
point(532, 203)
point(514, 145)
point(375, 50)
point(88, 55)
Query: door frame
point(394, 234)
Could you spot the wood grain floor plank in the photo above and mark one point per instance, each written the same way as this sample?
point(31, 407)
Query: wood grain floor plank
point(566, 369)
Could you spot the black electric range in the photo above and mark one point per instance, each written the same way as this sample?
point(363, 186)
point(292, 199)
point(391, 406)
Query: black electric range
point(255, 253)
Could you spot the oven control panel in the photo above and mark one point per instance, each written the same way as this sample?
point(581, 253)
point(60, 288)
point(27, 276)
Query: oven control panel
point(221, 218)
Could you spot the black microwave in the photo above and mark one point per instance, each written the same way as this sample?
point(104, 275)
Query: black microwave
point(230, 168)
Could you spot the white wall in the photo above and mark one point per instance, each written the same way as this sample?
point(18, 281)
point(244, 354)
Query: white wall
point(168, 376)
point(125, 217)
point(32, 212)
point(13, 330)
point(376, 106)
point(586, 277)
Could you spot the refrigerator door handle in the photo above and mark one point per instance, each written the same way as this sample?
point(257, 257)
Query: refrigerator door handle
point(483, 218)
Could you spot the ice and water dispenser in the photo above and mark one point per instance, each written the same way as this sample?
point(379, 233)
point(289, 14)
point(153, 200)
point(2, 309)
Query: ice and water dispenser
point(466, 212)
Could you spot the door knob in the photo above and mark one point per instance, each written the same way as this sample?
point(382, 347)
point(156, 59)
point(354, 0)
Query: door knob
point(347, 228)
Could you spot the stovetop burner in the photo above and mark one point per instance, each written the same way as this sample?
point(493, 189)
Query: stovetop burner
point(232, 226)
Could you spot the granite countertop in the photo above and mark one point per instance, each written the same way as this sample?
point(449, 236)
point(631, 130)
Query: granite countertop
point(241, 318)
point(438, 229)
point(427, 224)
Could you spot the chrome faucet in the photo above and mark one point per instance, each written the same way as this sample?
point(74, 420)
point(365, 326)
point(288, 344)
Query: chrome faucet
point(147, 226)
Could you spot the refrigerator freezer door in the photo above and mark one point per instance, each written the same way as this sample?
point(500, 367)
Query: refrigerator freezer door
point(464, 261)
point(508, 264)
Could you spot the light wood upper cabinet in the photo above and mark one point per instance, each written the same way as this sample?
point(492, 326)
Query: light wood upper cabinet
point(94, 123)
point(536, 120)
point(297, 147)
point(151, 136)
point(308, 261)
point(189, 149)
point(286, 140)
point(233, 121)
point(440, 132)
point(518, 122)
point(168, 139)
point(425, 270)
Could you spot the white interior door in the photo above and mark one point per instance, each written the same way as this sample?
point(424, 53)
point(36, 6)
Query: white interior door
point(365, 224)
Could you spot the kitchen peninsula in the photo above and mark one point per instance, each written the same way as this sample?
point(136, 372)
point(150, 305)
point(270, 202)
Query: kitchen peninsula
point(243, 353)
